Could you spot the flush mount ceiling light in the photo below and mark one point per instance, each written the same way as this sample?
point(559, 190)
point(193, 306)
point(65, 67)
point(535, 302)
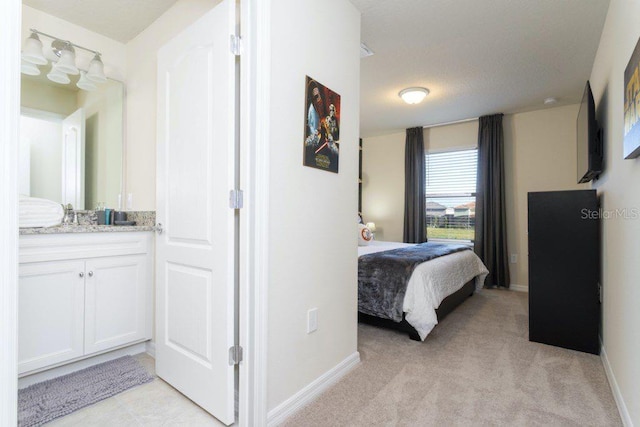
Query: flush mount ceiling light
point(550, 101)
point(33, 56)
point(413, 95)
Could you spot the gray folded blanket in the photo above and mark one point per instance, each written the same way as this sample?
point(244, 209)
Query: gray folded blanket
point(383, 276)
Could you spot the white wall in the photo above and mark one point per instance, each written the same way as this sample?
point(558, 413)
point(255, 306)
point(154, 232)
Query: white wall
point(43, 97)
point(103, 160)
point(45, 147)
point(540, 155)
point(140, 168)
point(312, 231)
point(383, 185)
point(9, 135)
point(618, 189)
point(457, 136)
point(383, 173)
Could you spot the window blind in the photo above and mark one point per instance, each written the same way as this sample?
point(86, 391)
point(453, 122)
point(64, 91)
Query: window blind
point(451, 195)
point(451, 173)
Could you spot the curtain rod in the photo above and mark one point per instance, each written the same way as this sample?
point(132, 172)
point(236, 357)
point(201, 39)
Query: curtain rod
point(455, 122)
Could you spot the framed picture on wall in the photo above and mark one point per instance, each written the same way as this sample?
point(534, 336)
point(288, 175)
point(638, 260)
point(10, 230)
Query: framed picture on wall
point(322, 127)
point(632, 105)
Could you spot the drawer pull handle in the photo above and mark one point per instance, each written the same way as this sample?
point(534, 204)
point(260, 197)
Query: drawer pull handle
point(91, 274)
point(81, 274)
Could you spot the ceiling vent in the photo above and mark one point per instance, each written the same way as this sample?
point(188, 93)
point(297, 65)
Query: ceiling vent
point(365, 51)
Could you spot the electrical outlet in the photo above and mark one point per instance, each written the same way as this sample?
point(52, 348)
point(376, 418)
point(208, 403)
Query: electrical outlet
point(514, 258)
point(312, 320)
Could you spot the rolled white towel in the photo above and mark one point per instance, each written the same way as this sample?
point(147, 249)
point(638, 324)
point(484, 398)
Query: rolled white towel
point(35, 212)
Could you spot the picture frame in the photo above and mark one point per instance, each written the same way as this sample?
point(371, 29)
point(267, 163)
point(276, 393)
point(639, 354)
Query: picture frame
point(321, 145)
point(631, 140)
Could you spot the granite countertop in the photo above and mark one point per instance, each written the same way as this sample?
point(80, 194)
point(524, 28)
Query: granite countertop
point(145, 221)
point(86, 229)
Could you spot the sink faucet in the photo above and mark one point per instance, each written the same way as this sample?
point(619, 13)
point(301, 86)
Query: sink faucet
point(69, 214)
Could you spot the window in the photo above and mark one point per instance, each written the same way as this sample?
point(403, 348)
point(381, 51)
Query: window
point(451, 194)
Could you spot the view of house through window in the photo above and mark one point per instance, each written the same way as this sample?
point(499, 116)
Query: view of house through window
point(451, 194)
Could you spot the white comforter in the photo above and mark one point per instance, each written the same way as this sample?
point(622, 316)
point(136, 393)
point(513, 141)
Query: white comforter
point(433, 281)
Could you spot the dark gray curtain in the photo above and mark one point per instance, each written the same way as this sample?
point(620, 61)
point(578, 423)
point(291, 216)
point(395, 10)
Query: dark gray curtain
point(415, 221)
point(491, 222)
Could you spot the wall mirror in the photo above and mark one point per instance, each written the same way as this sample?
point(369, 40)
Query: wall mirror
point(71, 141)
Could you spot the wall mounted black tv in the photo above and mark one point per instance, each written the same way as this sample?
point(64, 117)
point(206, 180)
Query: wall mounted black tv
point(589, 139)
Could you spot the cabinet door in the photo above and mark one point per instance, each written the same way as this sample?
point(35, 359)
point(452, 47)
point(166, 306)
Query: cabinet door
point(50, 314)
point(116, 301)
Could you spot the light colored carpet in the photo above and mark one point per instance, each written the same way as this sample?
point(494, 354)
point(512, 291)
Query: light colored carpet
point(476, 368)
point(48, 400)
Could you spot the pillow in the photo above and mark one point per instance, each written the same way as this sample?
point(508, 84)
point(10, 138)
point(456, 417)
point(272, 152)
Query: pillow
point(365, 236)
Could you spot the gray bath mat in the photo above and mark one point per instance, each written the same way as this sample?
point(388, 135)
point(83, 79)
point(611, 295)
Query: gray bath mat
point(43, 402)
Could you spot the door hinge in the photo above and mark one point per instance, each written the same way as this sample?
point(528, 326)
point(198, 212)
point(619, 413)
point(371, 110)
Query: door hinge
point(235, 199)
point(235, 355)
point(235, 45)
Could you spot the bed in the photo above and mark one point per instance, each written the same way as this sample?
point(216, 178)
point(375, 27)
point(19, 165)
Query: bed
point(414, 297)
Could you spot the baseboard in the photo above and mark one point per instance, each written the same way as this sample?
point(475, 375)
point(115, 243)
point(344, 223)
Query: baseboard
point(519, 288)
point(151, 348)
point(80, 364)
point(617, 395)
point(287, 408)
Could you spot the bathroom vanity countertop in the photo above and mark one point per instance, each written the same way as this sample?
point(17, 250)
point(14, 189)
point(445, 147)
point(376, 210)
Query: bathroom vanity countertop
point(86, 229)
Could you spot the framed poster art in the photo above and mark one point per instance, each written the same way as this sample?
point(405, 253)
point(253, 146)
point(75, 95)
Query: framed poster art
point(632, 105)
point(321, 126)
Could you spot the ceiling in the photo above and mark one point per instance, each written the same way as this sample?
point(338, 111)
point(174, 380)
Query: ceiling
point(476, 57)
point(119, 20)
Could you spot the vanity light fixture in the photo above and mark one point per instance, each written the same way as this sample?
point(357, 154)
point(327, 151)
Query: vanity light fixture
point(96, 70)
point(67, 62)
point(32, 51)
point(58, 76)
point(85, 84)
point(413, 95)
point(29, 68)
point(32, 56)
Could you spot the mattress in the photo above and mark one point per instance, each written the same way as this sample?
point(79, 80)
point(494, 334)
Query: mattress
point(432, 281)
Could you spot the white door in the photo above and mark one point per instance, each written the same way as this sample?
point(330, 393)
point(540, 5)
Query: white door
point(116, 301)
point(73, 149)
point(51, 313)
point(195, 252)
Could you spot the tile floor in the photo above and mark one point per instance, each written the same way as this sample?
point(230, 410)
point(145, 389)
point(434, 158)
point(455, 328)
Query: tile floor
point(152, 404)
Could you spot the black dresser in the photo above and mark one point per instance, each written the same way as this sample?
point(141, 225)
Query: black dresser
point(564, 269)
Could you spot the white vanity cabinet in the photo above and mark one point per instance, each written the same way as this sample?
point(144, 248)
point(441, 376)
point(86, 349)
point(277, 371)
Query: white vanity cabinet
point(82, 294)
point(115, 301)
point(50, 313)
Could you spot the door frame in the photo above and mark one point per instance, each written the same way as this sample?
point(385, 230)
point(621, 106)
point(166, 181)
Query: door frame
point(255, 77)
point(10, 25)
